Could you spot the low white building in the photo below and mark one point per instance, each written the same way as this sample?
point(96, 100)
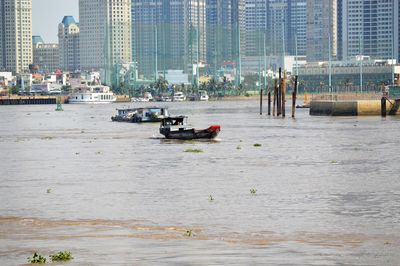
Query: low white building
point(176, 77)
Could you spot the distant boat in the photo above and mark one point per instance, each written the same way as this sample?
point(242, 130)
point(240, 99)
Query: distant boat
point(204, 95)
point(176, 128)
point(179, 97)
point(141, 115)
point(92, 95)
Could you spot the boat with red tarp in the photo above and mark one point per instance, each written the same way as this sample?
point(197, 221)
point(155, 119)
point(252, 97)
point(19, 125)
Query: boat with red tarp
point(176, 128)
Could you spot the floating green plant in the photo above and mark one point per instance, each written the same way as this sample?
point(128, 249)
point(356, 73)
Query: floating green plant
point(211, 198)
point(61, 256)
point(48, 190)
point(257, 145)
point(189, 233)
point(37, 259)
point(194, 150)
point(253, 191)
point(238, 148)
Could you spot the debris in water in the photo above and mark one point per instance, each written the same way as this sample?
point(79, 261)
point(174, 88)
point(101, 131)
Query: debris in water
point(194, 150)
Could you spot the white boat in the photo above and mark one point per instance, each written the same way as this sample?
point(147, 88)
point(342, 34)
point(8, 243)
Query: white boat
point(179, 97)
point(204, 96)
point(92, 95)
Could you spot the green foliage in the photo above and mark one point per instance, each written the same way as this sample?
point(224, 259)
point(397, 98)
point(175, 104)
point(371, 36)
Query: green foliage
point(13, 90)
point(61, 256)
point(211, 198)
point(37, 259)
point(253, 191)
point(257, 145)
point(189, 233)
point(194, 150)
point(238, 148)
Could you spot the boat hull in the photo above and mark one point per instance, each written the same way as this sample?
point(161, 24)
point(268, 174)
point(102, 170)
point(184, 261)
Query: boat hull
point(190, 134)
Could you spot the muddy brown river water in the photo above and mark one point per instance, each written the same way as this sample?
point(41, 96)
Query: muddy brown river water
point(327, 189)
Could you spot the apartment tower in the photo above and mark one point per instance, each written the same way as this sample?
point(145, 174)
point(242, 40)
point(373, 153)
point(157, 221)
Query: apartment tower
point(15, 35)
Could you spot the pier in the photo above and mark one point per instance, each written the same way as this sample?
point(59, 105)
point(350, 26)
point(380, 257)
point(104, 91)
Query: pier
point(24, 100)
point(355, 107)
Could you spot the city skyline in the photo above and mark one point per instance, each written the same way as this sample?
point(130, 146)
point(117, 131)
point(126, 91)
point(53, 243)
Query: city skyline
point(45, 24)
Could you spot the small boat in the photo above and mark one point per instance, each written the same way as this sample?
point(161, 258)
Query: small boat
point(176, 128)
point(204, 96)
point(179, 97)
point(141, 115)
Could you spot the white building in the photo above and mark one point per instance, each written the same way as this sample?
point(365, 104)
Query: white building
point(15, 35)
point(68, 39)
point(105, 33)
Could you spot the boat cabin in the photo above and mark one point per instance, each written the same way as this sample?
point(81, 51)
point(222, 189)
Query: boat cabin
point(174, 121)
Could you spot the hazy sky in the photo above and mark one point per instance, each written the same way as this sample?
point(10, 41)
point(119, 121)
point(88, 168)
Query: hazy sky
point(47, 14)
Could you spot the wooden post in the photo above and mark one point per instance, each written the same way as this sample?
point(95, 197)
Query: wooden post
point(383, 107)
point(279, 95)
point(283, 93)
point(269, 103)
point(294, 97)
point(275, 97)
point(261, 101)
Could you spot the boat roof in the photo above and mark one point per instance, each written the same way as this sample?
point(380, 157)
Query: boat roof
point(173, 118)
point(140, 108)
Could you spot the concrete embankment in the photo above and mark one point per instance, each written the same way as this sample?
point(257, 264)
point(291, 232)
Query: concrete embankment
point(353, 108)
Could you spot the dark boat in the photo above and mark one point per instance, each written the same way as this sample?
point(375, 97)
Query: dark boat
point(141, 115)
point(176, 128)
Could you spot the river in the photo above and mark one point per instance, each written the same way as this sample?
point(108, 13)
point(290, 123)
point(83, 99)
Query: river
point(327, 189)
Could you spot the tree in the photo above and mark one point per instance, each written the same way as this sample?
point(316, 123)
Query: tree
point(13, 90)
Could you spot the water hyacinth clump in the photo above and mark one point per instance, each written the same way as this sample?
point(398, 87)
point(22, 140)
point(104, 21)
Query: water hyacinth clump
point(194, 150)
point(61, 256)
point(37, 259)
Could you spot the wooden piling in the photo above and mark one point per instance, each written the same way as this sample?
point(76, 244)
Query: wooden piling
point(261, 101)
point(275, 98)
point(269, 103)
point(279, 94)
point(283, 95)
point(383, 106)
point(294, 97)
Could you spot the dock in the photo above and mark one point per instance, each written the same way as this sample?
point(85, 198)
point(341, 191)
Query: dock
point(355, 107)
point(24, 100)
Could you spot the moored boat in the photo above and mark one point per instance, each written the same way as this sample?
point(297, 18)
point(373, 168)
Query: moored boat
point(92, 95)
point(141, 115)
point(179, 97)
point(176, 128)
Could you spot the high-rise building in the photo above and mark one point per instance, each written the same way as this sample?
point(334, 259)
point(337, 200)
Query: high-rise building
point(297, 27)
point(158, 32)
point(174, 11)
point(148, 36)
point(68, 40)
point(220, 27)
point(15, 35)
point(340, 29)
point(45, 55)
point(255, 26)
point(195, 33)
point(370, 28)
point(321, 30)
point(105, 34)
